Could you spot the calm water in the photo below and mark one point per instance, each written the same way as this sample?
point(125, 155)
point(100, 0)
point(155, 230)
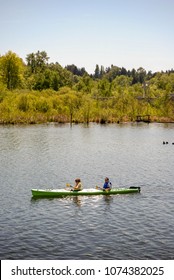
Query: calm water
point(133, 226)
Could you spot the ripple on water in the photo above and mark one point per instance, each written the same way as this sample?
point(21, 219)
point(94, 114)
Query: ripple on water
point(136, 226)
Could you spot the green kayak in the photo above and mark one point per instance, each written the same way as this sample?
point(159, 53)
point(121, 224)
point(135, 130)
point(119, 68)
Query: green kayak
point(64, 192)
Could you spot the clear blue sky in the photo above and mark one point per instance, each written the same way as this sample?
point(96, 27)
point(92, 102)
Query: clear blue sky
point(128, 33)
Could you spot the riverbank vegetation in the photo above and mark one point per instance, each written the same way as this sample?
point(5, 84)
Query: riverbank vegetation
point(37, 91)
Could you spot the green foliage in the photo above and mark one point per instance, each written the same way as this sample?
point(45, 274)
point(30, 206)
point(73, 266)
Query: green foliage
point(36, 62)
point(23, 104)
point(45, 92)
point(104, 88)
point(11, 70)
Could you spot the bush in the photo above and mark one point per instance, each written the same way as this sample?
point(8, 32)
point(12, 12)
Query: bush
point(23, 104)
point(42, 105)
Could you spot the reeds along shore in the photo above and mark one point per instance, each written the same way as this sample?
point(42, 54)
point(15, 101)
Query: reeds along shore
point(67, 105)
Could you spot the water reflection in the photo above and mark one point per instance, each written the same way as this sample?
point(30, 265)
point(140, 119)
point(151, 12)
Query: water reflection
point(108, 198)
point(48, 156)
point(77, 200)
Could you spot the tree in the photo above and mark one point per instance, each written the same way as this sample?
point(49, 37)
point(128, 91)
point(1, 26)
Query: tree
point(71, 101)
point(97, 72)
point(141, 74)
point(37, 61)
point(122, 81)
point(102, 71)
point(112, 73)
point(86, 108)
point(76, 71)
point(84, 84)
point(11, 70)
point(104, 88)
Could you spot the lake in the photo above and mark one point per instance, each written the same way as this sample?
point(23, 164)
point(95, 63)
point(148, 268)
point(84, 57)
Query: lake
point(132, 226)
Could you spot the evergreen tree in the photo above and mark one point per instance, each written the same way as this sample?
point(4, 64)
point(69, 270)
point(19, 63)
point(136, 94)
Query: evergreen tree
point(97, 72)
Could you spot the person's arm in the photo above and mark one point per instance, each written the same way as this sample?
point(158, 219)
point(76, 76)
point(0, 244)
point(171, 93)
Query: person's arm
point(78, 187)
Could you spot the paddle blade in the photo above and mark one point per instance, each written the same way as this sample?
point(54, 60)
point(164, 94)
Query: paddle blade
point(69, 186)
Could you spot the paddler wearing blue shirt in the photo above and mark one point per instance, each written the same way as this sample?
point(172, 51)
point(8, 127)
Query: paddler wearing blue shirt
point(107, 185)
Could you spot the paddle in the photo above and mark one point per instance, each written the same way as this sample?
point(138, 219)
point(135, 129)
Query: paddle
point(68, 186)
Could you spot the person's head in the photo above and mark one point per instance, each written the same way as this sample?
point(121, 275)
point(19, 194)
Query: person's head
point(77, 180)
point(106, 179)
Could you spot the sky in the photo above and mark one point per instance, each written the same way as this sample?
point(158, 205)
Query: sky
point(125, 33)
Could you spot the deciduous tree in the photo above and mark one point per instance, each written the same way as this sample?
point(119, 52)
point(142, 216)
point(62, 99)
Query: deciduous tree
point(11, 70)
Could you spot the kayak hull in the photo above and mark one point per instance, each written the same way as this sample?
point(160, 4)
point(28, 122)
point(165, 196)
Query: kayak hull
point(63, 192)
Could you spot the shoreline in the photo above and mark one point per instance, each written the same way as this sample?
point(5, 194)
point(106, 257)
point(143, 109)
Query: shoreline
point(3, 123)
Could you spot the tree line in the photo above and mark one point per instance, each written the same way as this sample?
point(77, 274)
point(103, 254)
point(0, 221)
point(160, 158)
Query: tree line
point(38, 91)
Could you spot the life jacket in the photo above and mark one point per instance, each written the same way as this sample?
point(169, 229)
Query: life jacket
point(80, 188)
point(107, 185)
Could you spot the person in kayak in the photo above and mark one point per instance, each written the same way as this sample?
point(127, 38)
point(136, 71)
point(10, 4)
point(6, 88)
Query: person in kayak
point(107, 185)
point(77, 186)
